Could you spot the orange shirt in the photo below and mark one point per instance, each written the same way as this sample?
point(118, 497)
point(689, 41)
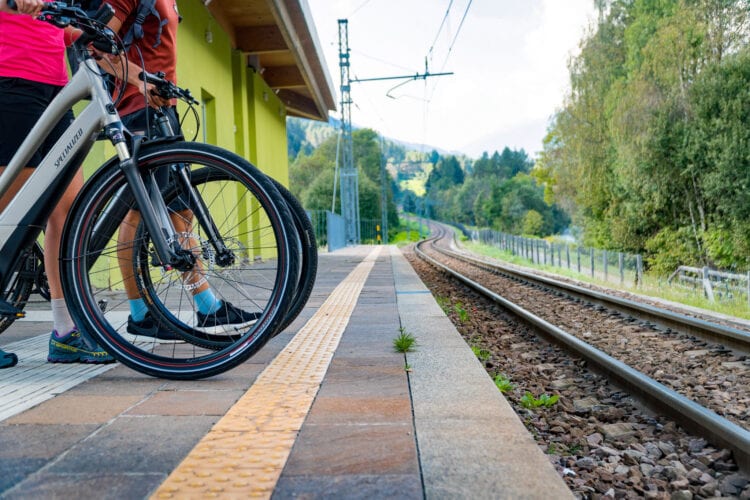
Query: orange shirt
point(163, 57)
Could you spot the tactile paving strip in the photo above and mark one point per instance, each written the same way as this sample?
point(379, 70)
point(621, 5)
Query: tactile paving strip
point(244, 453)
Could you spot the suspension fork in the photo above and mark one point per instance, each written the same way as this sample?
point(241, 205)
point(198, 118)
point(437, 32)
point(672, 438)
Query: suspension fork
point(224, 256)
point(152, 208)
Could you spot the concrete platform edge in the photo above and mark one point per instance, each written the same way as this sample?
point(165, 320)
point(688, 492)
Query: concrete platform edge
point(471, 442)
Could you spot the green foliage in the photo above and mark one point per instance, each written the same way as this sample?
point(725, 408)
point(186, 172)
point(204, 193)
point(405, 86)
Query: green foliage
point(405, 342)
point(463, 314)
point(533, 223)
point(503, 383)
point(652, 148)
point(311, 176)
point(446, 174)
point(530, 402)
point(444, 303)
point(481, 354)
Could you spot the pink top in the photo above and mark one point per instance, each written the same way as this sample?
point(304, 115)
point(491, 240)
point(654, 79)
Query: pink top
point(32, 50)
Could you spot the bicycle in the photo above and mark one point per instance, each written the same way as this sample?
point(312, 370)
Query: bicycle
point(251, 249)
point(31, 278)
point(306, 242)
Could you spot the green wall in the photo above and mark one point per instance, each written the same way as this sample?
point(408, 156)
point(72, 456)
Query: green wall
point(238, 110)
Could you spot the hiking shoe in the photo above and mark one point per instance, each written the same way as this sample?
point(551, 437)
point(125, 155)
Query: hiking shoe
point(227, 314)
point(7, 359)
point(151, 329)
point(71, 348)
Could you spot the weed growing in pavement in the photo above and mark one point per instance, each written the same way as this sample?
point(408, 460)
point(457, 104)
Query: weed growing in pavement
point(530, 402)
point(405, 342)
point(503, 383)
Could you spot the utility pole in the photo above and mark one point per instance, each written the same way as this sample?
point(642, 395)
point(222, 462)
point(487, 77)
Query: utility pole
point(349, 184)
point(383, 193)
point(349, 175)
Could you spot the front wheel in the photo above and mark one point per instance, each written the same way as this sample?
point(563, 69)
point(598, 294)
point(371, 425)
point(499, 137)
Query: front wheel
point(257, 273)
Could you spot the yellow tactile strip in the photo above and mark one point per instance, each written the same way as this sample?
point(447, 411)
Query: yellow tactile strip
point(244, 453)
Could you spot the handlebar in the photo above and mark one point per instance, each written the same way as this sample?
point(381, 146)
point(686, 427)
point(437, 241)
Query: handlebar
point(167, 89)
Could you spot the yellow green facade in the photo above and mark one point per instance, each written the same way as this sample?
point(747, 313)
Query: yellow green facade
point(238, 110)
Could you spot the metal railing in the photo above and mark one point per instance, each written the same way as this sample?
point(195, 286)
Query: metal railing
point(603, 265)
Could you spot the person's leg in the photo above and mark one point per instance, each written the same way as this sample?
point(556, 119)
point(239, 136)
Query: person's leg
point(66, 344)
point(210, 310)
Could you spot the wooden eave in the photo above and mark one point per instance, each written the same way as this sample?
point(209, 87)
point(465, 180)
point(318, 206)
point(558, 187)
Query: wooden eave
point(279, 41)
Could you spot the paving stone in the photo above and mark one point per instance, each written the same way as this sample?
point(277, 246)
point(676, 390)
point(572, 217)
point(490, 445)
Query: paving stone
point(187, 403)
point(361, 411)
point(343, 380)
point(15, 470)
point(351, 487)
point(77, 408)
point(136, 445)
point(390, 450)
point(50, 485)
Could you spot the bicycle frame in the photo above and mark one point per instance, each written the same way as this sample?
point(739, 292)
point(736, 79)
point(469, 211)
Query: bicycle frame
point(25, 216)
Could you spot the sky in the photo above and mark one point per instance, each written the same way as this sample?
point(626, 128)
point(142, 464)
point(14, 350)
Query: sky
point(508, 58)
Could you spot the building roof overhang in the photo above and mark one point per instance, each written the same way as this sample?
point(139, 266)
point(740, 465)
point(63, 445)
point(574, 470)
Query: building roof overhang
point(279, 41)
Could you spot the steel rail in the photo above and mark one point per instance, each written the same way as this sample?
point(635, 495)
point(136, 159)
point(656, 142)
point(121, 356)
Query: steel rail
point(731, 337)
point(685, 411)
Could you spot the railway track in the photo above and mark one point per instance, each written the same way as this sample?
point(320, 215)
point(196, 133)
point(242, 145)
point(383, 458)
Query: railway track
point(692, 369)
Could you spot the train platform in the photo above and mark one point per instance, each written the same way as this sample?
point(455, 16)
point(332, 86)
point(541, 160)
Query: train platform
point(327, 409)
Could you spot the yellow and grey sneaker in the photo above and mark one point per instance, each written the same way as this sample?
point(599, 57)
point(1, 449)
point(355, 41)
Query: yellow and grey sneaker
point(71, 348)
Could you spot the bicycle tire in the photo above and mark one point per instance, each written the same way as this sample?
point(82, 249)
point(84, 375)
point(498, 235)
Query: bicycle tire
point(307, 248)
point(263, 278)
point(308, 257)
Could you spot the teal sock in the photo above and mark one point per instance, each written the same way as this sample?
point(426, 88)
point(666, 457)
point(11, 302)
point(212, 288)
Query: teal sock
point(138, 309)
point(206, 302)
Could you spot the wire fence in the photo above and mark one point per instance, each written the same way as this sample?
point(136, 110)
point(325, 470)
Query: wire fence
point(329, 230)
point(622, 268)
point(602, 265)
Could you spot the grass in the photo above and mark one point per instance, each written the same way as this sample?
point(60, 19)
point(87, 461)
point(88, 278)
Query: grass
point(409, 232)
point(651, 286)
point(503, 383)
point(482, 354)
point(405, 342)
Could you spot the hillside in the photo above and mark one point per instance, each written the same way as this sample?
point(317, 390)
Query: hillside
point(408, 164)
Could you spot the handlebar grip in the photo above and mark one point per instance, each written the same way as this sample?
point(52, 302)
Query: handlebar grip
point(104, 14)
point(11, 4)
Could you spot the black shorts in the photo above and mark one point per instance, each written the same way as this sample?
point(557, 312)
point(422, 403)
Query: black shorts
point(22, 102)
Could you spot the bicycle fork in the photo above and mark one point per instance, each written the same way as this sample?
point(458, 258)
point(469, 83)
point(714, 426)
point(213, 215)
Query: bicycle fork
point(153, 210)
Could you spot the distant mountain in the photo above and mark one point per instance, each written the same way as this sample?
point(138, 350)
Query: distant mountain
point(306, 135)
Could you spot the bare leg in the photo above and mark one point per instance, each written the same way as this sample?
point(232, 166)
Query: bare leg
point(182, 223)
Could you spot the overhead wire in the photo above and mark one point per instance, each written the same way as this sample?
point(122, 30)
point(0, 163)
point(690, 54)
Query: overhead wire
point(450, 47)
point(455, 37)
point(359, 8)
point(442, 23)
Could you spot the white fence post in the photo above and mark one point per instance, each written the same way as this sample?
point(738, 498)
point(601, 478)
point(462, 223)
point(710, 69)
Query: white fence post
point(707, 284)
